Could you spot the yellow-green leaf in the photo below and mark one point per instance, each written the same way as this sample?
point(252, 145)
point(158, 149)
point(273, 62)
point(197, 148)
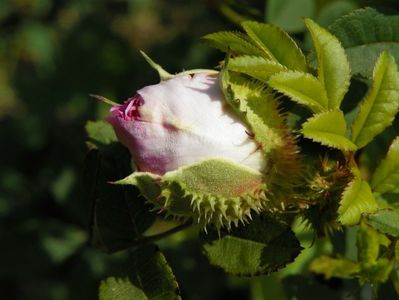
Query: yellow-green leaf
point(356, 200)
point(234, 41)
point(368, 245)
point(333, 65)
point(381, 103)
point(334, 267)
point(276, 44)
point(255, 66)
point(386, 176)
point(303, 88)
point(328, 128)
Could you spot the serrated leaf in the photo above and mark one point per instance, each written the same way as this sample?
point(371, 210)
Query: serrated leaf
point(356, 200)
point(120, 289)
point(261, 247)
point(119, 216)
point(334, 267)
point(289, 13)
point(302, 88)
point(368, 245)
point(255, 66)
point(276, 44)
point(234, 41)
point(100, 132)
point(333, 66)
point(380, 105)
point(328, 128)
point(385, 221)
point(149, 278)
point(386, 176)
point(365, 33)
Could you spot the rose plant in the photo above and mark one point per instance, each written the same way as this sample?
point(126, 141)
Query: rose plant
point(254, 149)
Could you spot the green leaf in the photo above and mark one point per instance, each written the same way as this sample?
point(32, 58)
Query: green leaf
point(386, 176)
point(261, 247)
point(120, 289)
point(385, 221)
point(328, 128)
point(289, 14)
point(255, 66)
point(377, 272)
point(368, 245)
point(119, 216)
point(333, 65)
point(234, 41)
point(364, 34)
point(356, 200)
point(150, 278)
point(331, 11)
point(380, 105)
point(276, 44)
point(303, 88)
point(100, 132)
point(334, 267)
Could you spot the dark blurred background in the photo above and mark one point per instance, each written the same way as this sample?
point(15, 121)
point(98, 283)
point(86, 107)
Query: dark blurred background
point(53, 54)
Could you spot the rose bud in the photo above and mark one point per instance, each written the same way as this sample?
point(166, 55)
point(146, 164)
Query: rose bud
point(182, 121)
point(196, 158)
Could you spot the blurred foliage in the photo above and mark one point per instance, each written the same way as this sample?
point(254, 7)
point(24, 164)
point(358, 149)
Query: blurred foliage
point(53, 54)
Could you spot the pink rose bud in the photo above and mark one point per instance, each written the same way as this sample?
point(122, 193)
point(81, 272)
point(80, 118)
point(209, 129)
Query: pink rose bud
point(182, 121)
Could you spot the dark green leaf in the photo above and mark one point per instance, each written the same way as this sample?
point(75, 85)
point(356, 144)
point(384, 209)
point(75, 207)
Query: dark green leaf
point(385, 221)
point(119, 215)
point(150, 278)
point(289, 14)
point(260, 247)
point(100, 132)
point(364, 34)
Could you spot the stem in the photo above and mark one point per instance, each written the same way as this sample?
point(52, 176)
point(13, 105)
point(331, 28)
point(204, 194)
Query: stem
point(146, 240)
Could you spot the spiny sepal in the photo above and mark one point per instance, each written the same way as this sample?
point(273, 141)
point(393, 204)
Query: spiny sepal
point(260, 109)
point(213, 192)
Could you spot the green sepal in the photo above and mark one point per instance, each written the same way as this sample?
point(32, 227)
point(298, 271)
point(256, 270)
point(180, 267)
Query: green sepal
point(214, 191)
point(333, 65)
point(386, 176)
point(259, 107)
point(276, 44)
point(328, 128)
point(146, 182)
point(380, 105)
